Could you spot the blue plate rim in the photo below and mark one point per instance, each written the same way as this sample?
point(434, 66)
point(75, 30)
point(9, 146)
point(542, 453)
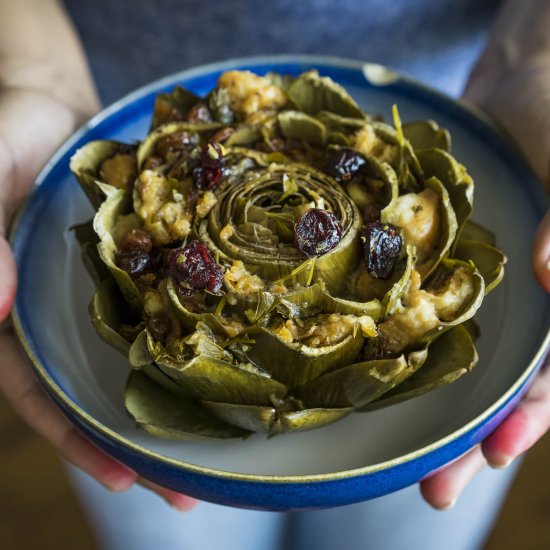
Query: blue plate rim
point(388, 77)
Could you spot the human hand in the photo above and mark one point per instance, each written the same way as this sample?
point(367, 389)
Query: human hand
point(32, 125)
point(520, 101)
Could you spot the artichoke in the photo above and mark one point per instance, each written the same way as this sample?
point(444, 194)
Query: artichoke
point(271, 258)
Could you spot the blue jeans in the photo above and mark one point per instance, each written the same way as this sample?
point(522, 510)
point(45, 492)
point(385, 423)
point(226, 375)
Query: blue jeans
point(140, 520)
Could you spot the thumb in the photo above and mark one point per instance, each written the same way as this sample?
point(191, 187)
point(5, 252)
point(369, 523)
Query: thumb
point(541, 253)
point(520, 103)
point(8, 279)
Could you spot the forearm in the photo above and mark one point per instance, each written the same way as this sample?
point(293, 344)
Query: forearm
point(521, 33)
point(39, 51)
point(46, 91)
point(519, 39)
point(511, 80)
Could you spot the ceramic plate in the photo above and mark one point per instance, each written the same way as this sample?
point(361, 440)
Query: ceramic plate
point(363, 456)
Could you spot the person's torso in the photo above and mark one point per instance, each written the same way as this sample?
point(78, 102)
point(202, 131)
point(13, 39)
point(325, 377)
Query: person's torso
point(131, 42)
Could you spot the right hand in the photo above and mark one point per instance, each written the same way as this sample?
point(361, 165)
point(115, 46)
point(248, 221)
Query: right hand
point(32, 125)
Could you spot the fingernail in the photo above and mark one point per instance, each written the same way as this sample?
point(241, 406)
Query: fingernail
point(181, 506)
point(500, 461)
point(118, 483)
point(447, 506)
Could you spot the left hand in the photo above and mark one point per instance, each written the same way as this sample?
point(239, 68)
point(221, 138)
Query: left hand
point(33, 123)
point(520, 101)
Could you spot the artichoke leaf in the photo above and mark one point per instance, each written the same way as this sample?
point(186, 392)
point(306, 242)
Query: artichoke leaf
point(469, 304)
point(177, 103)
point(272, 421)
point(212, 378)
point(376, 170)
point(138, 354)
point(334, 266)
point(449, 357)
point(282, 81)
point(244, 134)
point(158, 377)
point(216, 380)
point(473, 231)
point(360, 383)
point(460, 186)
point(253, 418)
point(426, 134)
point(448, 230)
point(109, 311)
point(406, 165)
point(298, 125)
point(451, 295)
point(88, 240)
point(301, 302)
point(338, 124)
point(141, 360)
point(372, 308)
point(187, 318)
point(309, 419)
point(488, 259)
point(259, 157)
point(315, 298)
point(117, 203)
point(392, 299)
point(147, 146)
point(165, 414)
point(312, 93)
point(86, 164)
point(338, 138)
point(295, 363)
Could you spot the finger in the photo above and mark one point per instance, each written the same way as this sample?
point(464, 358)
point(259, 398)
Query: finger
point(180, 502)
point(25, 148)
point(8, 279)
point(541, 253)
point(523, 427)
point(31, 402)
point(442, 489)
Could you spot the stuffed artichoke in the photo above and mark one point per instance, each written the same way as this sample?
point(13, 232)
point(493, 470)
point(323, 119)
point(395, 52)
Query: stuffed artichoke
point(272, 258)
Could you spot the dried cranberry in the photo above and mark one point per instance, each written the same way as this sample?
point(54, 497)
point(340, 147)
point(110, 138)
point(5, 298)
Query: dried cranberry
point(136, 239)
point(135, 262)
point(223, 134)
point(371, 212)
point(159, 327)
point(317, 232)
point(194, 267)
point(153, 162)
point(209, 173)
point(382, 247)
point(343, 163)
point(128, 332)
point(199, 113)
point(159, 260)
point(176, 141)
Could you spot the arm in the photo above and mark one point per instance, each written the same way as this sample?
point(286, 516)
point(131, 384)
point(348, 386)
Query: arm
point(46, 91)
point(511, 82)
point(43, 74)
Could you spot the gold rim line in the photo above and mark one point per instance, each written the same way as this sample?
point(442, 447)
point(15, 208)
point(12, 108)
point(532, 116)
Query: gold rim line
point(42, 373)
point(95, 425)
